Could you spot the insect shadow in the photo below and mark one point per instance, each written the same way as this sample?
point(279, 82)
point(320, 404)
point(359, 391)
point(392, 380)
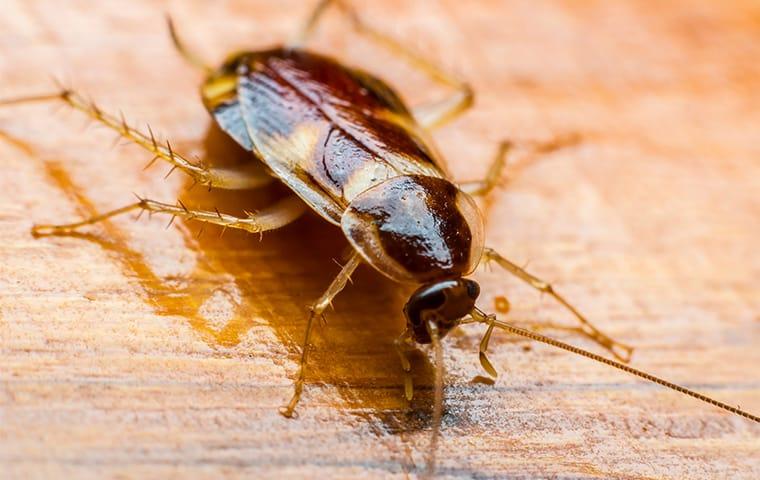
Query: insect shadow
point(269, 280)
point(279, 273)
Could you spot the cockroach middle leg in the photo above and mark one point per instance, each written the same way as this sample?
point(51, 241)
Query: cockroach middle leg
point(431, 115)
point(621, 351)
point(403, 344)
point(438, 113)
point(278, 215)
point(496, 168)
point(247, 175)
point(483, 187)
point(317, 311)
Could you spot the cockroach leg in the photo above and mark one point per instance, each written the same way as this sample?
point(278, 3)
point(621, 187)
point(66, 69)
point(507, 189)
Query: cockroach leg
point(317, 311)
point(190, 56)
point(484, 362)
point(619, 350)
point(480, 317)
point(403, 345)
point(307, 29)
point(495, 170)
point(248, 175)
point(431, 115)
point(438, 113)
point(275, 216)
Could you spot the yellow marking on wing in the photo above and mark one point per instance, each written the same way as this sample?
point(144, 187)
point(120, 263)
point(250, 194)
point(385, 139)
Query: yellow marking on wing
point(371, 173)
point(298, 149)
point(292, 159)
point(219, 90)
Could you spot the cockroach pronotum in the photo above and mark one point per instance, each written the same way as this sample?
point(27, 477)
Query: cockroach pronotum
point(351, 150)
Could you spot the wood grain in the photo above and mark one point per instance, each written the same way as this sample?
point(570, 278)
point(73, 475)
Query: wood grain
point(132, 351)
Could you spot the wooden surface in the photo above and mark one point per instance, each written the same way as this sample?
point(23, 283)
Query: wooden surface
point(138, 352)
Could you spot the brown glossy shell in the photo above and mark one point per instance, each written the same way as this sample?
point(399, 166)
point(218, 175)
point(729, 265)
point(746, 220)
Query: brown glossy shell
point(415, 228)
point(329, 132)
point(344, 142)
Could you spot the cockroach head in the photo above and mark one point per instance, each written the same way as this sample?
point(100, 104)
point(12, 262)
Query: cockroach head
point(443, 303)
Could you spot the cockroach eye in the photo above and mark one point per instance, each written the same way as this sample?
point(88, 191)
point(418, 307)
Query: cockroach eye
point(473, 289)
point(444, 303)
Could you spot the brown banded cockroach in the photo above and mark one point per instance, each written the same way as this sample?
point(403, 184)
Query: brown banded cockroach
point(351, 150)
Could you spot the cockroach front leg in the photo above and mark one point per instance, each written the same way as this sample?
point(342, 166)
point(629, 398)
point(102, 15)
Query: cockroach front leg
point(248, 175)
point(621, 351)
point(317, 311)
point(275, 216)
point(483, 187)
point(403, 345)
point(482, 353)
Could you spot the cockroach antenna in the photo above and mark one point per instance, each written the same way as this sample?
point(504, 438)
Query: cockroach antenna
point(191, 57)
point(437, 308)
point(480, 317)
point(437, 399)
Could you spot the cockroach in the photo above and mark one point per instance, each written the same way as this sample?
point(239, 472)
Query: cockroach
point(351, 150)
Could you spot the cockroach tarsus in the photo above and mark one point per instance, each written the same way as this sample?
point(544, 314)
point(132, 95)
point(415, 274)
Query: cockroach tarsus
point(352, 151)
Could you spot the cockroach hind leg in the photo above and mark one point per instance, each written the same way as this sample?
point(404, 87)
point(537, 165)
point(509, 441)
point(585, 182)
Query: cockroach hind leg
point(43, 230)
point(431, 115)
point(275, 216)
point(317, 309)
point(619, 350)
point(245, 176)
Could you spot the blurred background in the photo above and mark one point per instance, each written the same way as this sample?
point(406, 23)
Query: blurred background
point(138, 351)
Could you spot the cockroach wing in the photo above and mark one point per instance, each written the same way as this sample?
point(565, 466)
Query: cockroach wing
point(327, 131)
point(219, 94)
